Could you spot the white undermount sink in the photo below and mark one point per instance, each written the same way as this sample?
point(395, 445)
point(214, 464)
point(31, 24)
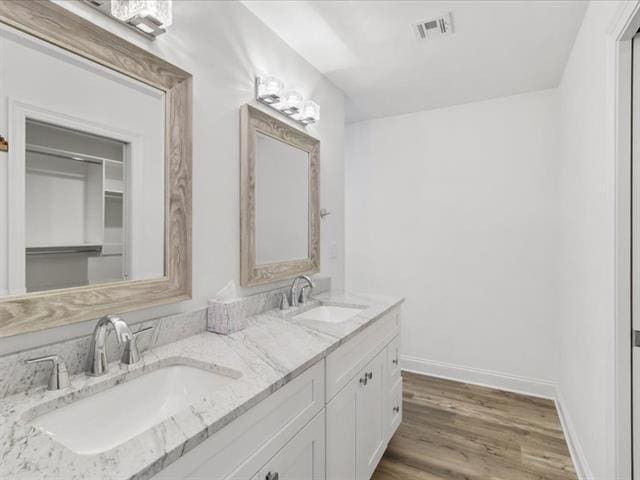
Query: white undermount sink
point(109, 418)
point(329, 313)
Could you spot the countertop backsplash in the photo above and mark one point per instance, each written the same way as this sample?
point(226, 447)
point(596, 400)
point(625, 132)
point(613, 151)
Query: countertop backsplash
point(229, 316)
point(16, 376)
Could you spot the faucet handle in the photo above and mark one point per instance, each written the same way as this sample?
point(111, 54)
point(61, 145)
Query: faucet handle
point(284, 301)
point(59, 377)
point(131, 354)
point(303, 297)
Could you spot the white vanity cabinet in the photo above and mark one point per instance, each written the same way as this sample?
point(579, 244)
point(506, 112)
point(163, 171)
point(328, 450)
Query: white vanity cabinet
point(363, 415)
point(332, 422)
point(356, 427)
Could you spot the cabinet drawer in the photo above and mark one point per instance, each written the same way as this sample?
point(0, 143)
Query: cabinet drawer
point(348, 359)
point(393, 360)
point(394, 408)
point(240, 449)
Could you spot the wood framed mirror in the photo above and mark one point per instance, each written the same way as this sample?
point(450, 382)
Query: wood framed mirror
point(39, 140)
point(279, 195)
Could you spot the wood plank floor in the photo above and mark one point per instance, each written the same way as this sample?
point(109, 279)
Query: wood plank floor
point(453, 430)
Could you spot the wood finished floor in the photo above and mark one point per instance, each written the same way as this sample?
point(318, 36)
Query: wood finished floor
point(453, 430)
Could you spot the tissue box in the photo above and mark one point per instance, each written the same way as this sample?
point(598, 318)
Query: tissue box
point(228, 316)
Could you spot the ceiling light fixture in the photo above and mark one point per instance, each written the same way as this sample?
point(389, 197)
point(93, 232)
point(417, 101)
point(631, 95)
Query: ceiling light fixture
point(270, 91)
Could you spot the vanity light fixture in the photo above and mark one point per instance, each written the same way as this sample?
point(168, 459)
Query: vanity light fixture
point(309, 112)
point(148, 17)
point(151, 16)
point(270, 91)
point(290, 102)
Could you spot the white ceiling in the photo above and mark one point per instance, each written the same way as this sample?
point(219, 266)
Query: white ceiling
point(369, 50)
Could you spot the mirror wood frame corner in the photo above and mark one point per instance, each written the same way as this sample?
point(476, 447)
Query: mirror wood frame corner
point(58, 26)
point(253, 121)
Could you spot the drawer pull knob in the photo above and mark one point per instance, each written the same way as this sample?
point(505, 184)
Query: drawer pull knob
point(369, 375)
point(394, 361)
point(272, 476)
point(396, 409)
point(363, 380)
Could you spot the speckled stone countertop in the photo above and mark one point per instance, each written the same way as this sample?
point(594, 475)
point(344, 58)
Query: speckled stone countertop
point(268, 354)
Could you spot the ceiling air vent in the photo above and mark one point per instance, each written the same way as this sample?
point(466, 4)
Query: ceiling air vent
point(433, 28)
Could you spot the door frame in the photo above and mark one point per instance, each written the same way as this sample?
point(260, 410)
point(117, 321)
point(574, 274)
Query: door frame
point(619, 37)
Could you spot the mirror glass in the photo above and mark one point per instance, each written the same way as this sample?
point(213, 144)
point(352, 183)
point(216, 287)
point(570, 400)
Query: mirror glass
point(82, 190)
point(282, 201)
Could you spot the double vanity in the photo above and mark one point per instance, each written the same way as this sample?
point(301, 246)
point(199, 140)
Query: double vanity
point(295, 384)
point(309, 392)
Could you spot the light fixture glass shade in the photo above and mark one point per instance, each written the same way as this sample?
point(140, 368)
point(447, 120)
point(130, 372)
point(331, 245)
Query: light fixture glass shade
point(290, 102)
point(268, 89)
point(159, 11)
point(309, 112)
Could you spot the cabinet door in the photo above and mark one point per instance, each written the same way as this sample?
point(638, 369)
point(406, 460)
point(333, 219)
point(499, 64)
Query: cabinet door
point(341, 433)
point(371, 427)
point(393, 360)
point(393, 409)
point(301, 458)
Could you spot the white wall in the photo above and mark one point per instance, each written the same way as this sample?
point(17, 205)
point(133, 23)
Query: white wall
point(453, 208)
point(500, 232)
point(585, 267)
point(224, 46)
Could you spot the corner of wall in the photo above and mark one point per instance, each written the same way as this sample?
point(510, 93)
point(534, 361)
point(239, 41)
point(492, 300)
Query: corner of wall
point(578, 456)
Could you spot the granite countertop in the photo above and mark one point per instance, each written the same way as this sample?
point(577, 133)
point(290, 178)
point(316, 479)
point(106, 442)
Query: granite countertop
point(268, 354)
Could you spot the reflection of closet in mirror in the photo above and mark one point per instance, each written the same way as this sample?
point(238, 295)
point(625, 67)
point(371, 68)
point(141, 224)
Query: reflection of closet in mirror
point(75, 208)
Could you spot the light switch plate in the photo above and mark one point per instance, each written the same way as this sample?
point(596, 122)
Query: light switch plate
point(333, 250)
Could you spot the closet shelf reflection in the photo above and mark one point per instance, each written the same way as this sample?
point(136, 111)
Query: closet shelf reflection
point(63, 249)
point(78, 157)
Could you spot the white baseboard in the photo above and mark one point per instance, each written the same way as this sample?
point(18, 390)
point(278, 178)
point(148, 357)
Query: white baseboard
point(477, 376)
point(577, 453)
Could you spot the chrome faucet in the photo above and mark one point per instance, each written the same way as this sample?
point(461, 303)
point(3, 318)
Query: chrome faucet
point(294, 297)
point(98, 363)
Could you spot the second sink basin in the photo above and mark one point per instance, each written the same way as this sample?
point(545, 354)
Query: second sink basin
point(111, 417)
point(329, 313)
